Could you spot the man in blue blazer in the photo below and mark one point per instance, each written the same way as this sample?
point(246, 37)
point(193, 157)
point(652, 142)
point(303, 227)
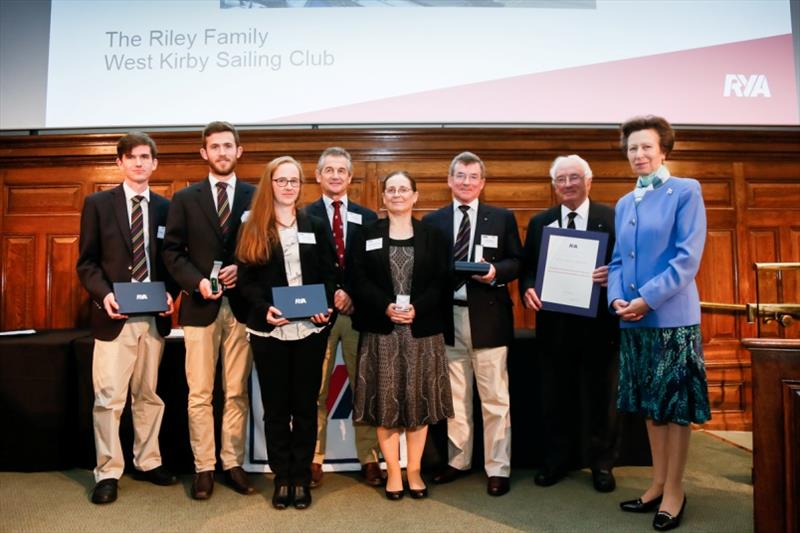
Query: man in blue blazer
point(203, 222)
point(481, 324)
point(122, 230)
point(577, 355)
point(334, 174)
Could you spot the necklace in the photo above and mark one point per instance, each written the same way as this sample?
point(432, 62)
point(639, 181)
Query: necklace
point(289, 225)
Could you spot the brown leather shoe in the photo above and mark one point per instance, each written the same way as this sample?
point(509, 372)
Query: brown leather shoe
point(373, 474)
point(203, 485)
point(497, 486)
point(237, 479)
point(316, 475)
point(448, 474)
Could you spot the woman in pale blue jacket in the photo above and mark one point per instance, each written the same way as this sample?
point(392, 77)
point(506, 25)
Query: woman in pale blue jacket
point(661, 231)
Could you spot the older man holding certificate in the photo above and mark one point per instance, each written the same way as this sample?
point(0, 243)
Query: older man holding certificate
point(577, 338)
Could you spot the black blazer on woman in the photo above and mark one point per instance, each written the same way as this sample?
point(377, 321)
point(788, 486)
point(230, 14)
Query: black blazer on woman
point(317, 261)
point(371, 280)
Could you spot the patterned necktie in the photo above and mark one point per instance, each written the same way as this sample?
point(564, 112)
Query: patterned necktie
point(338, 232)
point(461, 248)
point(571, 216)
point(223, 207)
point(139, 271)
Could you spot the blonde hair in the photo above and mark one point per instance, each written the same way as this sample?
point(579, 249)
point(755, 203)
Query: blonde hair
point(259, 233)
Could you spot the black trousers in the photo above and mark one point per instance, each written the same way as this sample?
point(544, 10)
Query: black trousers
point(289, 375)
point(578, 372)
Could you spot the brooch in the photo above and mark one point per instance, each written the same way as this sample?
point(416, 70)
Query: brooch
point(669, 191)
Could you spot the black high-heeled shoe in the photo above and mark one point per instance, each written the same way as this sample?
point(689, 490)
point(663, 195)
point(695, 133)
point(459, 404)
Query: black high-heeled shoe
point(663, 521)
point(394, 495)
point(418, 494)
point(638, 506)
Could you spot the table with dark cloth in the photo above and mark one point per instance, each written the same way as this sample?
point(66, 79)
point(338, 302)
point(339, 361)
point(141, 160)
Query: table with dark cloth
point(46, 399)
point(38, 412)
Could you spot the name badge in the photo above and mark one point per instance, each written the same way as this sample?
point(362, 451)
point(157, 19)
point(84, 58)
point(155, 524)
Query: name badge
point(355, 218)
point(160, 232)
point(375, 244)
point(245, 215)
point(305, 237)
point(489, 241)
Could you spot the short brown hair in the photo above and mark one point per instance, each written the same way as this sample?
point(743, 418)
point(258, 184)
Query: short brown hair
point(403, 173)
point(133, 139)
point(666, 135)
point(219, 126)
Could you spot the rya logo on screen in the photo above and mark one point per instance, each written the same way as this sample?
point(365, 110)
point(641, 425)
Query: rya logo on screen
point(744, 86)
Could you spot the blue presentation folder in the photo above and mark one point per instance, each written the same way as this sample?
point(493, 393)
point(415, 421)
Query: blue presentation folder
point(300, 301)
point(141, 298)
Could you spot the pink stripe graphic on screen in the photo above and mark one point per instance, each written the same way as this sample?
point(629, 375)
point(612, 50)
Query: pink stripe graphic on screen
point(748, 82)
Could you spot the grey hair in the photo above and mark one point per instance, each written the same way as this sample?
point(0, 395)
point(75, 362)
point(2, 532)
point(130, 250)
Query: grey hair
point(335, 151)
point(587, 171)
point(466, 158)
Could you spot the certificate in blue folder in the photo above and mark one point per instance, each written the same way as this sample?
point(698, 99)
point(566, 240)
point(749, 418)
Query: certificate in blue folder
point(301, 301)
point(564, 274)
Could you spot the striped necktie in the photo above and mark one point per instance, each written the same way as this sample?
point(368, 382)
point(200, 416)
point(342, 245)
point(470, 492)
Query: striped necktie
point(139, 271)
point(461, 248)
point(223, 207)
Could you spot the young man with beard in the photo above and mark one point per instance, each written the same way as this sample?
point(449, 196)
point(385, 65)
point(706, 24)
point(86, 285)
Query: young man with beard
point(203, 222)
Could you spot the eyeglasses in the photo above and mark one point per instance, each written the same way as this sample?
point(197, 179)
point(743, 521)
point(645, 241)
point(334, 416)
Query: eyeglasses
point(402, 191)
point(462, 177)
point(563, 180)
point(284, 182)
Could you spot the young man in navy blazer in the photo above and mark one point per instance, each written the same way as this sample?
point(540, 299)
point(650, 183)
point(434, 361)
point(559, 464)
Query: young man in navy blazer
point(481, 325)
point(577, 355)
point(334, 174)
point(122, 230)
point(203, 222)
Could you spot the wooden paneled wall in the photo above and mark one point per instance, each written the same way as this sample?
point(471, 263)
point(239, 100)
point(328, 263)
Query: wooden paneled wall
point(751, 185)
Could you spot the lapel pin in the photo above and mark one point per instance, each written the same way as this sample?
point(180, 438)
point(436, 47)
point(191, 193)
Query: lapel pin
point(669, 191)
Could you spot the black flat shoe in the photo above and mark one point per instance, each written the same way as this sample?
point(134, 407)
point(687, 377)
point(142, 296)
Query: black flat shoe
point(418, 494)
point(638, 506)
point(394, 495)
point(549, 475)
point(157, 476)
point(663, 521)
point(282, 497)
point(302, 496)
point(105, 491)
point(603, 480)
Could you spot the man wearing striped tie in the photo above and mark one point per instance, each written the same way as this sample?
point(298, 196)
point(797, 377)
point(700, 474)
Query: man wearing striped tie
point(482, 322)
point(203, 222)
point(122, 230)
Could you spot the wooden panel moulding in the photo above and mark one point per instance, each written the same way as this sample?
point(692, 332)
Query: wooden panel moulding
point(773, 195)
point(726, 396)
point(18, 252)
point(717, 283)
point(67, 301)
point(43, 199)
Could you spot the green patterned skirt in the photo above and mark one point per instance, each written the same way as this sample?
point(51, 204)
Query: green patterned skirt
point(662, 375)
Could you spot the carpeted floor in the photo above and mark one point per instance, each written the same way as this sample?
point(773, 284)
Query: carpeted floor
point(720, 498)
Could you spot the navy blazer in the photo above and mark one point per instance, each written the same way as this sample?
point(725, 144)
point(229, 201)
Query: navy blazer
point(317, 263)
point(373, 289)
point(553, 327)
point(194, 241)
point(368, 216)
point(106, 254)
point(491, 313)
